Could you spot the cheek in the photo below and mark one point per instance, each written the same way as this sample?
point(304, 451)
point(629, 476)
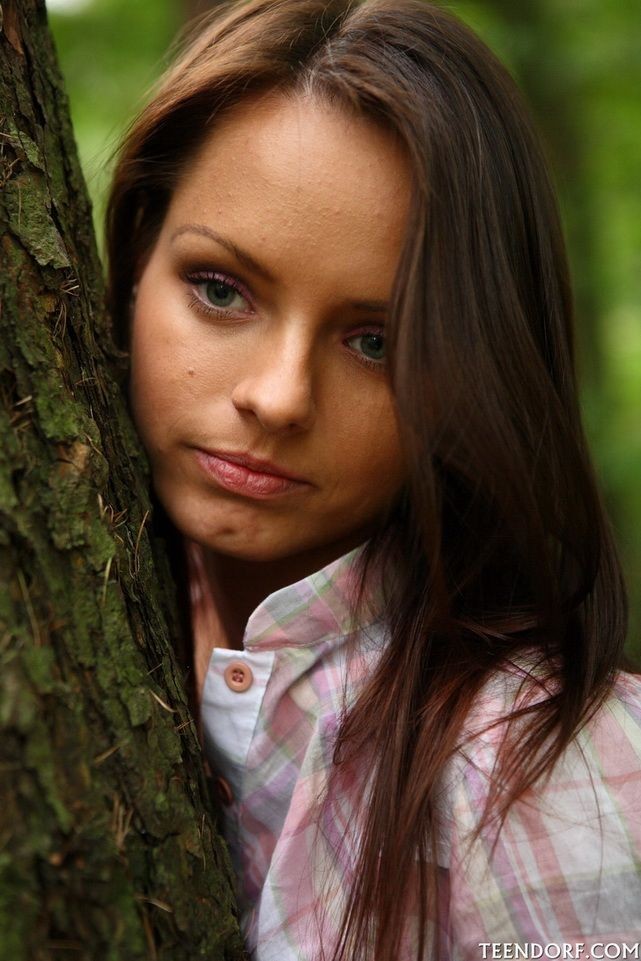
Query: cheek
point(145, 378)
point(160, 382)
point(370, 450)
point(166, 363)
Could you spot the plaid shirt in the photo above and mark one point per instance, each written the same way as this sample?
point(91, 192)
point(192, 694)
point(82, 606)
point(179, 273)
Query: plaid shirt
point(566, 869)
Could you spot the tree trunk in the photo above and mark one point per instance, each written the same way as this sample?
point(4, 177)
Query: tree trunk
point(107, 849)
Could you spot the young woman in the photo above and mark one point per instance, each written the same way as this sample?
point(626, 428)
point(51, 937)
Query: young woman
point(336, 258)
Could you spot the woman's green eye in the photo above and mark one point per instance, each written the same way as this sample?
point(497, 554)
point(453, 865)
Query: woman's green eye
point(371, 346)
point(220, 294)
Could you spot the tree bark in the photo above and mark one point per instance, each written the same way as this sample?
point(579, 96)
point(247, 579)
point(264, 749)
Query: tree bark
point(107, 844)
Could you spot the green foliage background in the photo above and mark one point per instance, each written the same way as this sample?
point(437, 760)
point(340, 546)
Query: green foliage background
point(579, 65)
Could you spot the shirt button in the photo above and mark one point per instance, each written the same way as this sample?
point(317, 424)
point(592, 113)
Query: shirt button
point(224, 791)
point(238, 676)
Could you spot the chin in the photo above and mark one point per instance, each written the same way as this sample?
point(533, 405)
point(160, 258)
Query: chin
point(246, 536)
point(240, 542)
point(251, 553)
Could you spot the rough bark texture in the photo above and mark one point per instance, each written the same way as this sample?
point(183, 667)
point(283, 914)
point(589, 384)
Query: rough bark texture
point(107, 849)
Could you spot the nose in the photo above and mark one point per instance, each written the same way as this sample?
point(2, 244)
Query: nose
point(277, 387)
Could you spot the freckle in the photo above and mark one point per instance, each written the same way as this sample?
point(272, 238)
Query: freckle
point(190, 371)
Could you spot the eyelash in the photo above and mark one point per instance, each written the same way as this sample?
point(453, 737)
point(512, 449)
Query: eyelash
point(379, 365)
point(197, 278)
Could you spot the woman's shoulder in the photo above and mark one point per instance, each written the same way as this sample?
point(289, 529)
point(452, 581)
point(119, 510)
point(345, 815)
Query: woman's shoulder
point(564, 861)
point(512, 692)
point(603, 756)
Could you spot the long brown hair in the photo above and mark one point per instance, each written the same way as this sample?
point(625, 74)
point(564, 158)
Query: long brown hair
point(500, 543)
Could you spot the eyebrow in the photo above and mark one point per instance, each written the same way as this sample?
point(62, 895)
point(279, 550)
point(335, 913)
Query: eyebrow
point(246, 259)
point(241, 255)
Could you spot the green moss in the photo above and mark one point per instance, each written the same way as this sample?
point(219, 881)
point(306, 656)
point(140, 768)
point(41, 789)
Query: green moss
point(139, 705)
point(67, 500)
point(26, 199)
point(61, 419)
point(8, 497)
point(37, 757)
point(83, 633)
point(101, 548)
point(164, 743)
point(24, 145)
point(19, 707)
point(40, 666)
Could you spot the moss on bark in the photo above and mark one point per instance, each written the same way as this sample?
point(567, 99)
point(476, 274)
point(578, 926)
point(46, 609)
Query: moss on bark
point(107, 844)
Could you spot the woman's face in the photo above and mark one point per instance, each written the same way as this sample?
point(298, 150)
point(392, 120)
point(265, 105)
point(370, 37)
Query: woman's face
point(258, 376)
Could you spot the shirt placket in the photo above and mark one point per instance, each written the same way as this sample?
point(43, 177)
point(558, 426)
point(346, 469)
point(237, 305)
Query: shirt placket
point(232, 697)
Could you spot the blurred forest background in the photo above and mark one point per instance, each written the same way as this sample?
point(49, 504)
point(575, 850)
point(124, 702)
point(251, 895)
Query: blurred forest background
point(579, 63)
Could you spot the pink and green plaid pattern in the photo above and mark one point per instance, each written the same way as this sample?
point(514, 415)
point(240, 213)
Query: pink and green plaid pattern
point(566, 869)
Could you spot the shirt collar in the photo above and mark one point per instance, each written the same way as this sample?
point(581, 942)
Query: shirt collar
point(316, 608)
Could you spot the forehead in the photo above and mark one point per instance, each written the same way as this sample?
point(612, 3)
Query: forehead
point(297, 172)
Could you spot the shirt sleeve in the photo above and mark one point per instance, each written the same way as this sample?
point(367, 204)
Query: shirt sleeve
point(566, 865)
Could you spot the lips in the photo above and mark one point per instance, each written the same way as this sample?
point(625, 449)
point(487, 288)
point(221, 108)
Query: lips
point(241, 473)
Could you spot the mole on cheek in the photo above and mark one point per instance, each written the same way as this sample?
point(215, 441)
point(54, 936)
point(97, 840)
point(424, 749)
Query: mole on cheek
point(190, 371)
